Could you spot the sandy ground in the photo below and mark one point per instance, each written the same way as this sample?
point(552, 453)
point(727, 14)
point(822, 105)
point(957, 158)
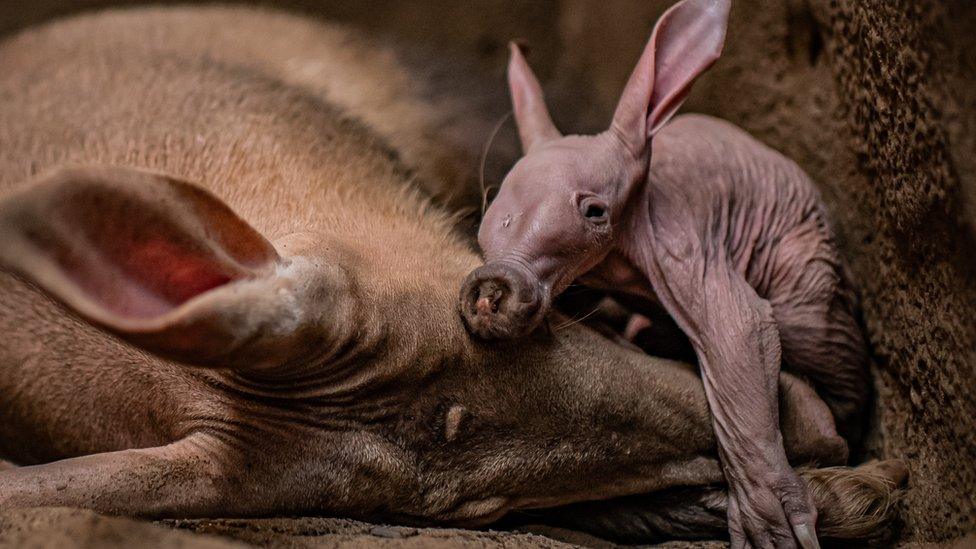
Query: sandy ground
point(64, 528)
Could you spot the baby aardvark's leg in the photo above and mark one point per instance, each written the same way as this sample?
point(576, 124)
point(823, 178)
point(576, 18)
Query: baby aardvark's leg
point(814, 307)
point(180, 479)
point(735, 337)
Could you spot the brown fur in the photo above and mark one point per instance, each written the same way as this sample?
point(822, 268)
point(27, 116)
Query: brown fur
point(852, 503)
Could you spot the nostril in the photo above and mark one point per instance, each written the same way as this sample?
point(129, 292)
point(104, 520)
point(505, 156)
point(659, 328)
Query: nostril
point(498, 300)
point(488, 296)
point(486, 306)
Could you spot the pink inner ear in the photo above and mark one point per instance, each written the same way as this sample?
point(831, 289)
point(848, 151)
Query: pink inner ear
point(172, 272)
point(137, 267)
point(127, 244)
point(144, 279)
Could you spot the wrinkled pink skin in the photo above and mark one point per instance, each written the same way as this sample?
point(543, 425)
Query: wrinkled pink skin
point(724, 233)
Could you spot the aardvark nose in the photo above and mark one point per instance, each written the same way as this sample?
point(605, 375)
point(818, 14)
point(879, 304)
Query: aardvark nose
point(500, 300)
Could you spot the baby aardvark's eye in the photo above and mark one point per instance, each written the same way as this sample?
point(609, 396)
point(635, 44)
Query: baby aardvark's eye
point(594, 210)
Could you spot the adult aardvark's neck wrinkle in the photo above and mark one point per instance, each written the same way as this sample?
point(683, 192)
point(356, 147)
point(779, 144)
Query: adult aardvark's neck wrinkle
point(315, 319)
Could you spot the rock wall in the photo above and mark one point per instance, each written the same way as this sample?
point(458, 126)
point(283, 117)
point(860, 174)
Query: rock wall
point(915, 260)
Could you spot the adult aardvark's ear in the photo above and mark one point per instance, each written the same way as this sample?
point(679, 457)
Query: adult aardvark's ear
point(531, 115)
point(160, 262)
point(686, 41)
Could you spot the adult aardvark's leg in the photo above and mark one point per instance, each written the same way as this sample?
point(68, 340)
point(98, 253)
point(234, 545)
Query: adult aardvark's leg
point(854, 504)
point(185, 478)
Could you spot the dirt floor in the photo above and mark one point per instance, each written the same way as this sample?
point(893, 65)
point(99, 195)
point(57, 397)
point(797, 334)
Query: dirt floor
point(874, 98)
point(60, 528)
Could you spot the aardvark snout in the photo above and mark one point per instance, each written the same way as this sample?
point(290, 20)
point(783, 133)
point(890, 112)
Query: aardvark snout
point(501, 300)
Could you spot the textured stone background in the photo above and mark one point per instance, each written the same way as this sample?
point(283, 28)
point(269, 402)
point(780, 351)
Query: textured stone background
point(876, 99)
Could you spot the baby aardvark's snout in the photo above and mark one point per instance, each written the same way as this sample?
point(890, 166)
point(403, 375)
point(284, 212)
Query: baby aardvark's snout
point(502, 300)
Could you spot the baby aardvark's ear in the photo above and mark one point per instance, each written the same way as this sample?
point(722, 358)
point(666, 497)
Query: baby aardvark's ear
point(160, 262)
point(531, 115)
point(686, 41)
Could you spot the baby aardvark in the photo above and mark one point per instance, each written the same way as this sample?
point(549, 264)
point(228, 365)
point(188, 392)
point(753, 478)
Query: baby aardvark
point(727, 235)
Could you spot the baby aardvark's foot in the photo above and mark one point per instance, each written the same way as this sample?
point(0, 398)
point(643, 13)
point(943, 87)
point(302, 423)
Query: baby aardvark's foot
point(635, 325)
point(770, 506)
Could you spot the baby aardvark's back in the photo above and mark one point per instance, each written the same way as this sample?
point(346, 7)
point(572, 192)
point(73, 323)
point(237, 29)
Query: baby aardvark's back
point(714, 189)
point(744, 196)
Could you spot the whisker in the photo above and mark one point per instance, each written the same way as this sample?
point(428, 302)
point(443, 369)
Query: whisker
point(576, 320)
point(484, 161)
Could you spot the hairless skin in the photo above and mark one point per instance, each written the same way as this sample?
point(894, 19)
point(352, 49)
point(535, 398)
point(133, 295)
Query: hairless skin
point(724, 233)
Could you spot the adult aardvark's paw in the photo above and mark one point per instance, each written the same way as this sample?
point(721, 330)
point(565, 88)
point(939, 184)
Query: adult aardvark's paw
point(773, 509)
